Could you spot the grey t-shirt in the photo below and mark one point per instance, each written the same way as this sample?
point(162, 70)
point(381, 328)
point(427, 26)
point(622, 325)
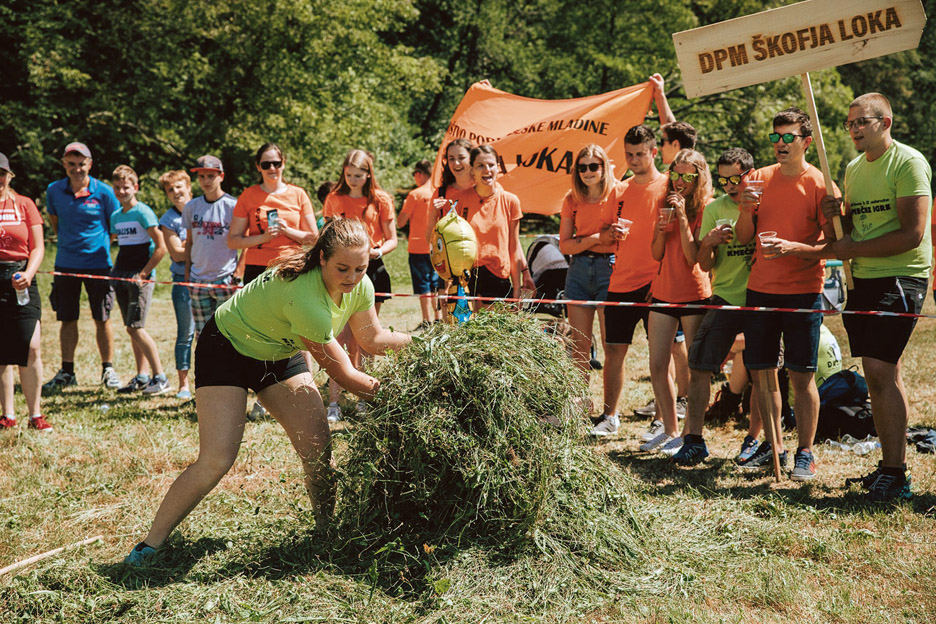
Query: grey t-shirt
point(209, 222)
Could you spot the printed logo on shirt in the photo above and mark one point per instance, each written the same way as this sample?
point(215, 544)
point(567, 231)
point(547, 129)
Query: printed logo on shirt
point(208, 229)
point(10, 214)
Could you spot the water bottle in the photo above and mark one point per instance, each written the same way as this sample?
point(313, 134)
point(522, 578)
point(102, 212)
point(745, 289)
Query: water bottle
point(22, 296)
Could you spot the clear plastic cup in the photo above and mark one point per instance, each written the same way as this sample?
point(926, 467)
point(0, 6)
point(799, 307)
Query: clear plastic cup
point(719, 223)
point(667, 212)
point(624, 228)
point(756, 187)
point(761, 236)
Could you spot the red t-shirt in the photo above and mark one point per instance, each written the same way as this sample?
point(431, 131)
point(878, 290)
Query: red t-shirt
point(678, 282)
point(17, 215)
point(254, 204)
point(416, 206)
point(491, 218)
point(634, 266)
point(790, 206)
point(587, 217)
point(358, 208)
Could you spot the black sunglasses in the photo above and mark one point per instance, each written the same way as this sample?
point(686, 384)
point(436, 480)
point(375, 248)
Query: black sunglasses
point(787, 137)
point(266, 164)
point(688, 178)
point(858, 122)
point(734, 179)
point(589, 167)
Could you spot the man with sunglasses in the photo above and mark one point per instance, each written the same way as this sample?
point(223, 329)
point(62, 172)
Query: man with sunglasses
point(886, 210)
point(786, 272)
point(730, 263)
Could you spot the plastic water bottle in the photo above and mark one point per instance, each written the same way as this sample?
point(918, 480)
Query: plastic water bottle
point(22, 296)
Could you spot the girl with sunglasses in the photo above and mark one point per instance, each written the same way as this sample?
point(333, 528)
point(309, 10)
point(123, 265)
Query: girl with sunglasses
point(359, 196)
point(580, 236)
point(680, 280)
point(272, 217)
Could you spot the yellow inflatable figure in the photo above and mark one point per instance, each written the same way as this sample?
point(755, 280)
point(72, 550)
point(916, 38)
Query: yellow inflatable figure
point(453, 250)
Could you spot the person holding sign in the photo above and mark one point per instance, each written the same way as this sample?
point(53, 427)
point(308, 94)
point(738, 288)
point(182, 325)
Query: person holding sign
point(784, 213)
point(887, 204)
point(592, 250)
point(680, 280)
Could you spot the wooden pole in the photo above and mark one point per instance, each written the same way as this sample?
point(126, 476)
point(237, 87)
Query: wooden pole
point(766, 385)
point(46, 555)
point(826, 172)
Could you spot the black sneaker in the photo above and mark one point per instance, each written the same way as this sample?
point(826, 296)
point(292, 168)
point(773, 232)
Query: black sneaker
point(890, 487)
point(692, 452)
point(61, 380)
point(748, 448)
point(134, 385)
point(763, 458)
point(867, 480)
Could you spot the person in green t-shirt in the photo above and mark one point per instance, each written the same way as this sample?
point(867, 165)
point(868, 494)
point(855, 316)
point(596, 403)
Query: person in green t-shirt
point(253, 342)
point(887, 236)
point(730, 263)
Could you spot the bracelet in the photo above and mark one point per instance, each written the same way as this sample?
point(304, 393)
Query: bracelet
point(525, 269)
point(379, 253)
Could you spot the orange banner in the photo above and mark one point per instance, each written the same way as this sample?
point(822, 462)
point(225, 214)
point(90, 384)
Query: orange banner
point(537, 140)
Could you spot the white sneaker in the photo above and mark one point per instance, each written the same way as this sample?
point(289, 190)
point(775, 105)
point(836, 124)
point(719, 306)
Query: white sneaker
point(607, 426)
point(109, 378)
point(672, 447)
point(656, 428)
point(656, 443)
point(256, 412)
point(682, 404)
point(334, 413)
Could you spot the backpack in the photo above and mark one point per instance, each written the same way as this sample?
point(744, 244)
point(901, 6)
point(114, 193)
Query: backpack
point(844, 407)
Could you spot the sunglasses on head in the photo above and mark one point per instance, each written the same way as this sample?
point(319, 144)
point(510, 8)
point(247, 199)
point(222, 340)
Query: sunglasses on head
point(266, 164)
point(589, 167)
point(788, 137)
point(688, 178)
point(734, 179)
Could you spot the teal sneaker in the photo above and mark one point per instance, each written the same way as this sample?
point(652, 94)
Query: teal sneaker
point(890, 487)
point(141, 555)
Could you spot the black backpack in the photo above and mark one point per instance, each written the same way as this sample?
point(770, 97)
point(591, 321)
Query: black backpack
point(844, 407)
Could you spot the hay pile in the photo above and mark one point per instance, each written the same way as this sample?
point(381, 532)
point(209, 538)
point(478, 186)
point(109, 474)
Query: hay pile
point(474, 439)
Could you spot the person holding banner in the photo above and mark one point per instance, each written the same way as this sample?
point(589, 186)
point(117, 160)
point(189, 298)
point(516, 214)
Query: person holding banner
point(500, 269)
point(887, 204)
point(680, 280)
point(784, 212)
point(592, 249)
point(635, 201)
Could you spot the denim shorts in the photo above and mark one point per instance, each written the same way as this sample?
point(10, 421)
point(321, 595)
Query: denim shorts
point(425, 278)
point(799, 330)
point(588, 277)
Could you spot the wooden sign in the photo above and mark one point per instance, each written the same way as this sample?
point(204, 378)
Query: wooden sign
point(793, 40)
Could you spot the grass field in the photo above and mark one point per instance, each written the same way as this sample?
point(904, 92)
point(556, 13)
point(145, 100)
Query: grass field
point(718, 545)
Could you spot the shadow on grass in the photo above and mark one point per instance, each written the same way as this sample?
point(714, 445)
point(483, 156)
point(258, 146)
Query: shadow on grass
point(663, 478)
point(172, 564)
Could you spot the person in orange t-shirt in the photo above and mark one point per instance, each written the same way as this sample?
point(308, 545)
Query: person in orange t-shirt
point(456, 181)
point(680, 280)
point(416, 209)
point(294, 224)
point(635, 201)
point(592, 248)
point(358, 196)
point(787, 272)
point(500, 268)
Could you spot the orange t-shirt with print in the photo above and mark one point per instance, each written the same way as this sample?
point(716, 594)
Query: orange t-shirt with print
point(491, 218)
point(586, 217)
point(254, 204)
point(678, 282)
point(416, 206)
point(358, 208)
point(634, 266)
point(790, 206)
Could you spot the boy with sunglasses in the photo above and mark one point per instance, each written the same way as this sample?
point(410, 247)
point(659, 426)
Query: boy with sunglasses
point(786, 273)
point(730, 263)
point(887, 205)
point(208, 259)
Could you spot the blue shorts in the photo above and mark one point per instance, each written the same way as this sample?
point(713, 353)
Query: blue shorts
point(425, 279)
point(800, 332)
point(588, 277)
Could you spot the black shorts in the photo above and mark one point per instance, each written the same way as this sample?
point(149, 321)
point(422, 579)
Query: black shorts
point(680, 312)
point(883, 337)
point(19, 323)
point(714, 338)
point(252, 272)
point(378, 275)
point(621, 321)
point(66, 294)
point(483, 283)
point(218, 363)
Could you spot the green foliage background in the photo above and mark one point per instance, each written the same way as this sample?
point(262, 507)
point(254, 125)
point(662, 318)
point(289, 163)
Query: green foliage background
point(156, 83)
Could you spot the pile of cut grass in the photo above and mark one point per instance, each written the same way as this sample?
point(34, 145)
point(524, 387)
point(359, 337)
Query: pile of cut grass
point(474, 442)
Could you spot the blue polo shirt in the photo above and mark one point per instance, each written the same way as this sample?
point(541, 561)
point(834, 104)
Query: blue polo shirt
point(83, 224)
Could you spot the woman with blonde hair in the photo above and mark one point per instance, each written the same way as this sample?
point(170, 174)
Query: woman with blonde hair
point(680, 280)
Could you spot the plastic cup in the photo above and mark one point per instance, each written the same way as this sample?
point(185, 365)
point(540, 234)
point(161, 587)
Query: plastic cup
point(722, 222)
point(624, 228)
point(667, 213)
point(764, 235)
point(757, 187)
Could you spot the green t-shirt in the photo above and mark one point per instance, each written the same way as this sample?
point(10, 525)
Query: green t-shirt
point(732, 260)
point(872, 189)
point(265, 319)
